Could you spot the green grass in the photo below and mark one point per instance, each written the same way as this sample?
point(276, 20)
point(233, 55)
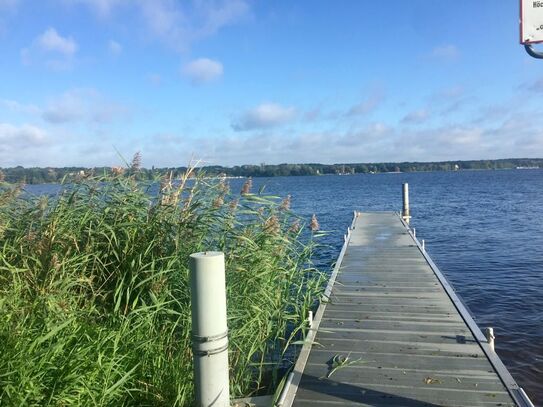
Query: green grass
point(94, 290)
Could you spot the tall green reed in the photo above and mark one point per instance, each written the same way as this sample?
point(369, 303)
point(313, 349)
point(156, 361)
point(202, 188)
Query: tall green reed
point(94, 293)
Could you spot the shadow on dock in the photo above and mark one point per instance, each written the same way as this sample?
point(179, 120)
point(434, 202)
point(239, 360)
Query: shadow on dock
point(333, 392)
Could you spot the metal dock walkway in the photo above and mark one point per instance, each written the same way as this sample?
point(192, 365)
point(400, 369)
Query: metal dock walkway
point(394, 333)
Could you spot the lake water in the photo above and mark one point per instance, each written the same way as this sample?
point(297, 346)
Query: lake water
point(484, 230)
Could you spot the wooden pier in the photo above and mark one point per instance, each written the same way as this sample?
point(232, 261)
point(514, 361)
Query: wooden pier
point(392, 332)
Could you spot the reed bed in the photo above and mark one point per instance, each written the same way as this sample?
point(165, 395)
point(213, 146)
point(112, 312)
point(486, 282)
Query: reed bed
point(94, 291)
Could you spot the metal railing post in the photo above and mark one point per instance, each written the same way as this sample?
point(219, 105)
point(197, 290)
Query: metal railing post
point(209, 329)
point(405, 210)
point(489, 333)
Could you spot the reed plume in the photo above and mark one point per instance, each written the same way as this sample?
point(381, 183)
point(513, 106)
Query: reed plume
point(272, 226)
point(224, 188)
point(135, 165)
point(166, 188)
point(295, 227)
point(218, 202)
point(314, 224)
point(117, 170)
point(285, 204)
point(246, 188)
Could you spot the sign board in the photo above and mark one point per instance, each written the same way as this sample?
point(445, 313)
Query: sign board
point(531, 21)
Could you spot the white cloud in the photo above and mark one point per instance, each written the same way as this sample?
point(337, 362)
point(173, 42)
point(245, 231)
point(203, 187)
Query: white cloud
point(175, 23)
point(265, 115)
point(83, 105)
point(31, 145)
point(370, 103)
point(167, 21)
point(79, 105)
point(449, 93)
point(313, 114)
point(51, 41)
point(114, 47)
point(18, 107)
point(449, 100)
point(69, 107)
point(369, 134)
point(377, 142)
point(102, 7)
point(416, 117)
point(26, 135)
point(203, 70)
point(179, 26)
point(52, 50)
point(534, 85)
point(447, 52)
point(216, 15)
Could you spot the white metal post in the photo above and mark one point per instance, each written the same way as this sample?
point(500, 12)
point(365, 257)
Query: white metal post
point(490, 338)
point(209, 329)
point(405, 211)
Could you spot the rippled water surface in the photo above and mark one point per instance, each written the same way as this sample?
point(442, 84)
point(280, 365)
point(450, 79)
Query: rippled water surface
point(484, 230)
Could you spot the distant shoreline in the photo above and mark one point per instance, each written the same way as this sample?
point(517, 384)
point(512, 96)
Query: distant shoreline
point(45, 175)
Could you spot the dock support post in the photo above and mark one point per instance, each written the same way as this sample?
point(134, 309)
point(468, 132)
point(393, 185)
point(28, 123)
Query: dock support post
point(405, 210)
point(209, 329)
point(423, 248)
point(490, 338)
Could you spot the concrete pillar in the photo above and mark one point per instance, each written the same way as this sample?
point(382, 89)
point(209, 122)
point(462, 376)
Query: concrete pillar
point(209, 329)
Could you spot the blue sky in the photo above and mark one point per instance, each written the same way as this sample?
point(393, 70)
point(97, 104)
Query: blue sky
point(246, 82)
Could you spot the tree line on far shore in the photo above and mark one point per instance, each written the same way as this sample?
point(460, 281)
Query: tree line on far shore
point(38, 175)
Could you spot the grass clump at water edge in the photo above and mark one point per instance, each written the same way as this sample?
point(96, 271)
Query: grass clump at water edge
point(94, 290)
